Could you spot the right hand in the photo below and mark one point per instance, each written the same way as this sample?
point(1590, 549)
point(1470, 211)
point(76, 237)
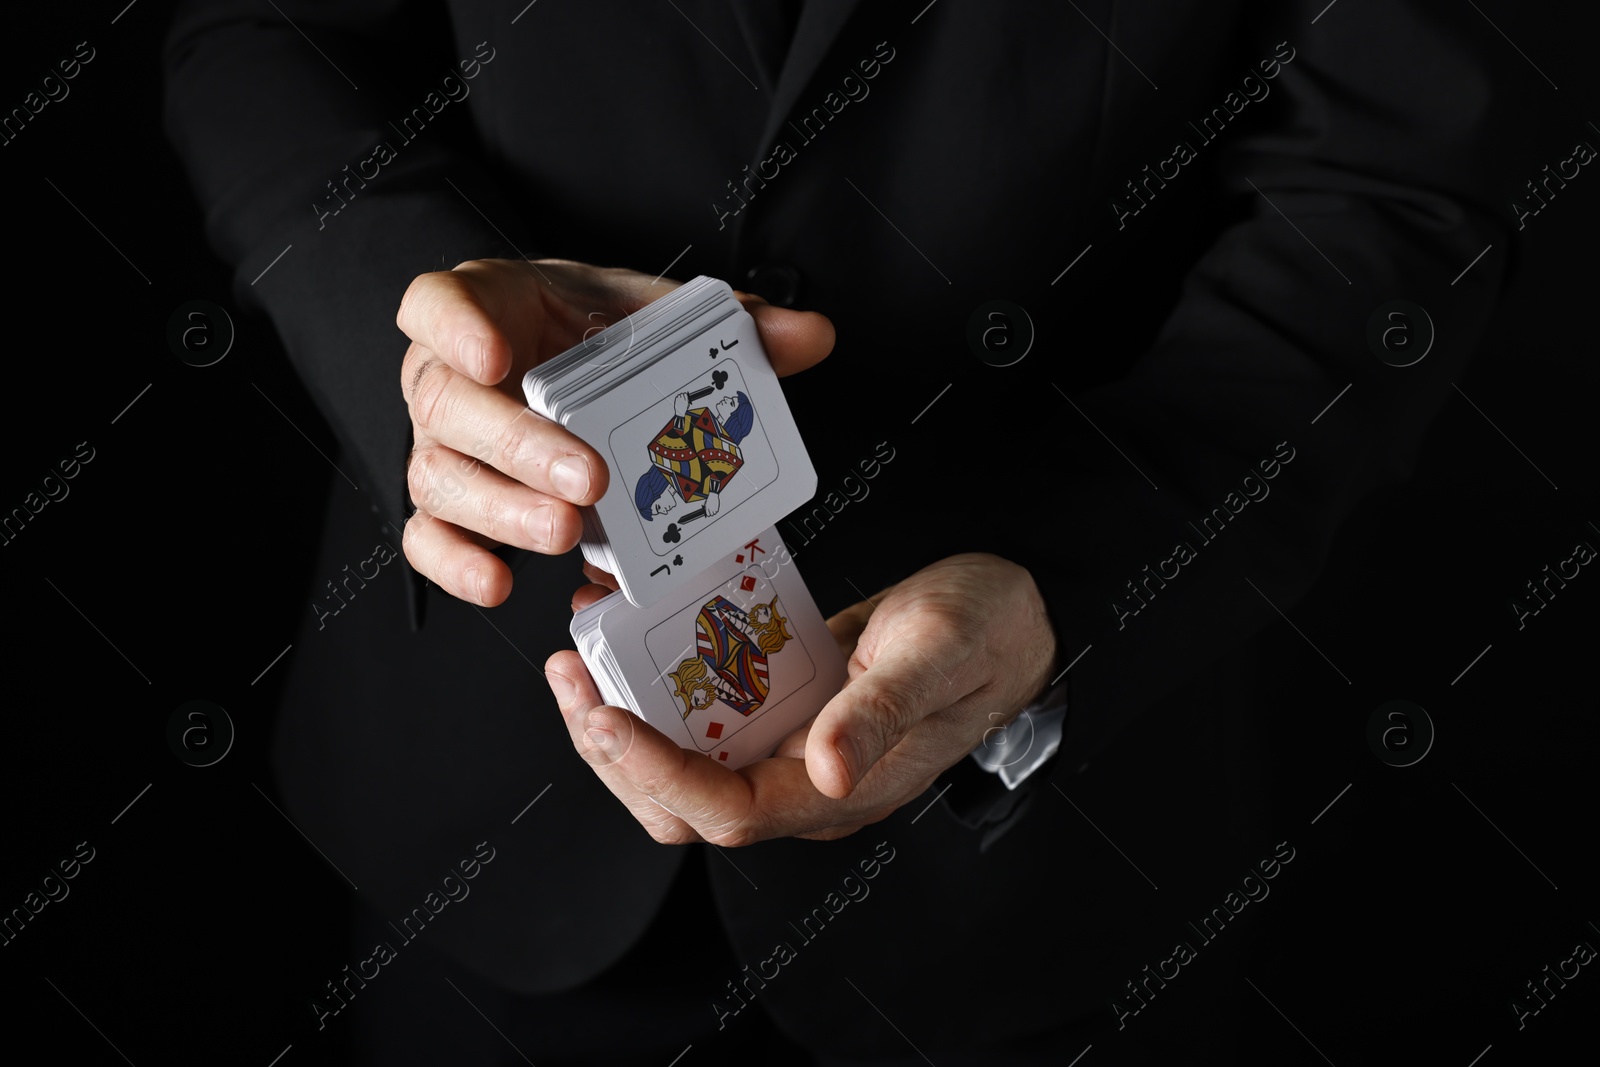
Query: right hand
point(484, 470)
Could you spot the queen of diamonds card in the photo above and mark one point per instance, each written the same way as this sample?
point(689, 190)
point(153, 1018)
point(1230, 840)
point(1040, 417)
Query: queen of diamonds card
point(743, 662)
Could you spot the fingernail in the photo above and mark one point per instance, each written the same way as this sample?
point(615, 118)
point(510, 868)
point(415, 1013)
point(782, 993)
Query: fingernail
point(473, 355)
point(561, 686)
point(540, 523)
point(602, 736)
point(604, 740)
point(474, 582)
point(849, 750)
point(570, 477)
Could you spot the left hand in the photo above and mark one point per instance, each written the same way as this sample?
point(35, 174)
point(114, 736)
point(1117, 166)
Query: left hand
point(935, 663)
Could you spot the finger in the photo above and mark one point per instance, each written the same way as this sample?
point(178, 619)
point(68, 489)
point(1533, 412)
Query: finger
point(454, 410)
point(794, 746)
point(475, 496)
point(848, 625)
point(599, 577)
point(794, 340)
point(587, 595)
point(650, 774)
point(767, 799)
point(456, 560)
point(869, 716)
point(612, 291)
point(643, 767)
point(833, 833)
point(452, 313)
point(593, 728)
point(713, 801)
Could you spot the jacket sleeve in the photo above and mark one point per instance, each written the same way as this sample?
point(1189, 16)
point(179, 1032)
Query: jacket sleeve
point(1261, 416)
point(278, 113)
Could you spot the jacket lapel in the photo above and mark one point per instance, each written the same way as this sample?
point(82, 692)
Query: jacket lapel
point(766, 37)
point(821, 22)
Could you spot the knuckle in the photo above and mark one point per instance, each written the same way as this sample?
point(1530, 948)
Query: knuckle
point(737, 835)
point(409, 299)
point(673, 832)
point(408, 366)
point(657, 785)
point(430, 393)
point(886, 710)
point(516, 439)
point(436, 486)
point(445, 302)
point(411, 542)
point(871, 819)
point(830, 833)
point(419, 481)
point(492, 512)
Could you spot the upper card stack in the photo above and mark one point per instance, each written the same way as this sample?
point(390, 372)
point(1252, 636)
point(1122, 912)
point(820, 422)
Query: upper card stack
point(681, 403)
point(713, 639)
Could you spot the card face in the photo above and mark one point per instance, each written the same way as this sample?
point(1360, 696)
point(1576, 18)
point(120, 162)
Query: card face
point(743, 660)
point(702, 449)
point(735, 667)
point(693, 458)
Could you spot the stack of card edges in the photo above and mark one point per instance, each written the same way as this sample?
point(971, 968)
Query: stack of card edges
point(714, 639)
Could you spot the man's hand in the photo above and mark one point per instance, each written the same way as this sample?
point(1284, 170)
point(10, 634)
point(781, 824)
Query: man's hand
point(935, 663)
point(484, 470)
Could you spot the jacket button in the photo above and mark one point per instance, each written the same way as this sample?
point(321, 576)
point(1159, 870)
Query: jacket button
point(776, 283)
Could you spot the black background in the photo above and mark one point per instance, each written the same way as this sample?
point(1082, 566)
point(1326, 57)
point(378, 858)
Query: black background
point(177, 567)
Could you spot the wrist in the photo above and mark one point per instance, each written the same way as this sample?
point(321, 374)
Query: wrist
point(1027, 743)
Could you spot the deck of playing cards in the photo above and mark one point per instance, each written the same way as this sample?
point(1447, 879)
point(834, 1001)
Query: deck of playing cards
point(730, 667)
point(714, 639)
point(681, 403)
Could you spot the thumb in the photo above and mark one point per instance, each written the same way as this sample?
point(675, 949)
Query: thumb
point(794, 340)
point(871, 714)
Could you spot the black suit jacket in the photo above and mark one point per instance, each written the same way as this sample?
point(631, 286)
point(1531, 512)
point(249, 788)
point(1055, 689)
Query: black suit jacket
point(1198, 220)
